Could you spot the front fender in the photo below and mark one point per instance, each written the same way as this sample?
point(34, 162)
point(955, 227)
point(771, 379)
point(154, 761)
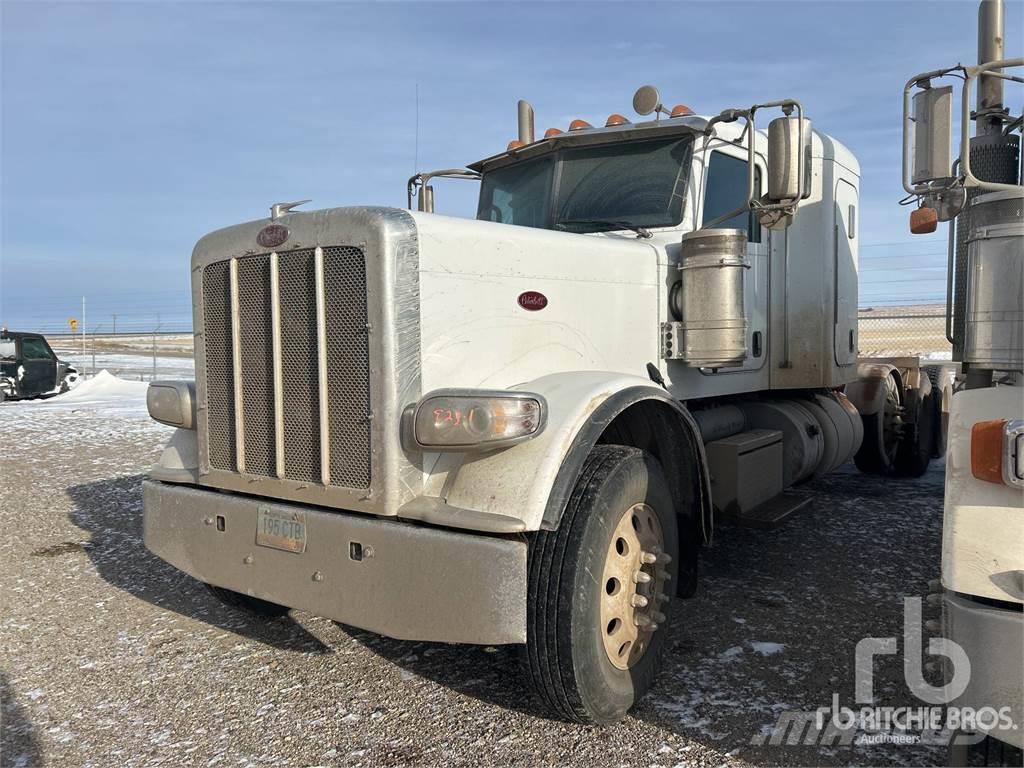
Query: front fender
point(525, 487)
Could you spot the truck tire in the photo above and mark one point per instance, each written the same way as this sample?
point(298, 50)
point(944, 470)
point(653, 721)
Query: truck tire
point(915, 449)
point(882, 434)
point(942, 389)
point(247, 602)
point(597, 604)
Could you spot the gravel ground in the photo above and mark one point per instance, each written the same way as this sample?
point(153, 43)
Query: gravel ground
point(108, 656)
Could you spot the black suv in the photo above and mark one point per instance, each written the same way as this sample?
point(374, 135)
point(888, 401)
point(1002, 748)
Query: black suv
point(29, 368)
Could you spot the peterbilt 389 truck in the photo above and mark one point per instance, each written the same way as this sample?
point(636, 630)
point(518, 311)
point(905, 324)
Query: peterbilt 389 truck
point(981, 195)
point(523, 428)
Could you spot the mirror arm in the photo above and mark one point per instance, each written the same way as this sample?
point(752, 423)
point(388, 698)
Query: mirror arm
point(970, 180)
point(731, 116)
point(416, 183)
point(750, 132)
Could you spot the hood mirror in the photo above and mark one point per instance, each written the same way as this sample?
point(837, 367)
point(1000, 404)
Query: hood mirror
point(647, 100)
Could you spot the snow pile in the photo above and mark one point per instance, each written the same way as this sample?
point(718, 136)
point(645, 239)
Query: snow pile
point(103, 392)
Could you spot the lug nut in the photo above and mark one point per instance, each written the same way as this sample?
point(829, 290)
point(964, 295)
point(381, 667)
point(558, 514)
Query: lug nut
point(648, 558)
point(638, 601)
point(641, 577)
point(658, 616)
point(642, 620)
point(664, 558)
point(661, 597)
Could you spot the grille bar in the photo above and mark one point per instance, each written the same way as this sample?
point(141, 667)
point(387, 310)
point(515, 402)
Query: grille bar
point(236, 360)
point(321, 367)
point(275, 329)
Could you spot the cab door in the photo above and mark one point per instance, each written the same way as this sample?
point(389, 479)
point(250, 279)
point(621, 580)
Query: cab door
point(40, 365)
point(845, 249)
point(725, 189)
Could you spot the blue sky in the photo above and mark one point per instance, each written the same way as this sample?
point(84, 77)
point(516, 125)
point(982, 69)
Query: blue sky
point(131, 129)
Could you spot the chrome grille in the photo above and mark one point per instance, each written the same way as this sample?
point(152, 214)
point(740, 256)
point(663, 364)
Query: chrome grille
point(347, 382)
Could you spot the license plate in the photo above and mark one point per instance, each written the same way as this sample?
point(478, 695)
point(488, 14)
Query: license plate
point(281, 530)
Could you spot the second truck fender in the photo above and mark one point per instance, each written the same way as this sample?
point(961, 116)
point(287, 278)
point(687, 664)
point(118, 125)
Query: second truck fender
point(532, 481)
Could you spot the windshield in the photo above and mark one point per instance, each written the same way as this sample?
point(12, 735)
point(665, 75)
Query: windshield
point(597, 188)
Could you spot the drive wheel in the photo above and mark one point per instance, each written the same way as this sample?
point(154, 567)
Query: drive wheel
point(247, 602)
point(599, 588)
point(915, 449)
point(883, 432)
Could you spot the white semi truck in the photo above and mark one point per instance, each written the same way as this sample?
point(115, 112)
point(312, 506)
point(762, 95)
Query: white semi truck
point(521, 429)
point(981, 195)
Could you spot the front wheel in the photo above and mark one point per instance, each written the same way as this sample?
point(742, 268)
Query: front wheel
point(600, 586)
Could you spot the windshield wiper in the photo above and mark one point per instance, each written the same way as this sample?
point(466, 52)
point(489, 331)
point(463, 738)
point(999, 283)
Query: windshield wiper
point(613, 224)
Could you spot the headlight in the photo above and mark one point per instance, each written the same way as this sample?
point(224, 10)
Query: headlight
point(172, 403)
point(463, 420)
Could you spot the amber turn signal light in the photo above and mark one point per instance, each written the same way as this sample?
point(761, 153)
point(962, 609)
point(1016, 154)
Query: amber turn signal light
point(987, 450)
point(551, 132)
point(923, 221)
point(579, 125)
point(681, 110)
point(615, 119)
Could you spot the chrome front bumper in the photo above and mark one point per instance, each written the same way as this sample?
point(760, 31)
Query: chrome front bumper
point(413, 582)
point(993, 639)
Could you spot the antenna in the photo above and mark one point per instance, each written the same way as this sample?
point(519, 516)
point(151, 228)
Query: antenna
point(416, 141)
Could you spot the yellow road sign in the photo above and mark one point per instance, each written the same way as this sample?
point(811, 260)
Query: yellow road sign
point(73, 323)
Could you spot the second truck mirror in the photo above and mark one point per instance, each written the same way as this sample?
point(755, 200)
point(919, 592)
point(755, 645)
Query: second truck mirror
point(785, 159)
point(933, 125)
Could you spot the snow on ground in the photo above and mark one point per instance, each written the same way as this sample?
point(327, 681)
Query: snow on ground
point(102, 392)
point(78, 425)
point(129, 366)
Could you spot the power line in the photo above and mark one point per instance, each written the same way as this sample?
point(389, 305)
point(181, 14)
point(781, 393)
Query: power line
point(889, 245)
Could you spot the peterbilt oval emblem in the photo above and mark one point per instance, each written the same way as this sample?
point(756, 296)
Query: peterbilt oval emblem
point(272, 235)
point(532, 301)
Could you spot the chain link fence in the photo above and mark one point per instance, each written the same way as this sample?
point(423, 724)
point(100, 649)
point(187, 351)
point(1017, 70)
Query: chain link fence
point(897, 331)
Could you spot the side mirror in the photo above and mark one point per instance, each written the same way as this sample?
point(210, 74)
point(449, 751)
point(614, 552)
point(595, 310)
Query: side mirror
point(789, 157)
point(933, 134)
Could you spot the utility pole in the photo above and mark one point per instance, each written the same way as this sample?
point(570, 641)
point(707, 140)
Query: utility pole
point(113, 332)
point(83, 326)
point(155, 332)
